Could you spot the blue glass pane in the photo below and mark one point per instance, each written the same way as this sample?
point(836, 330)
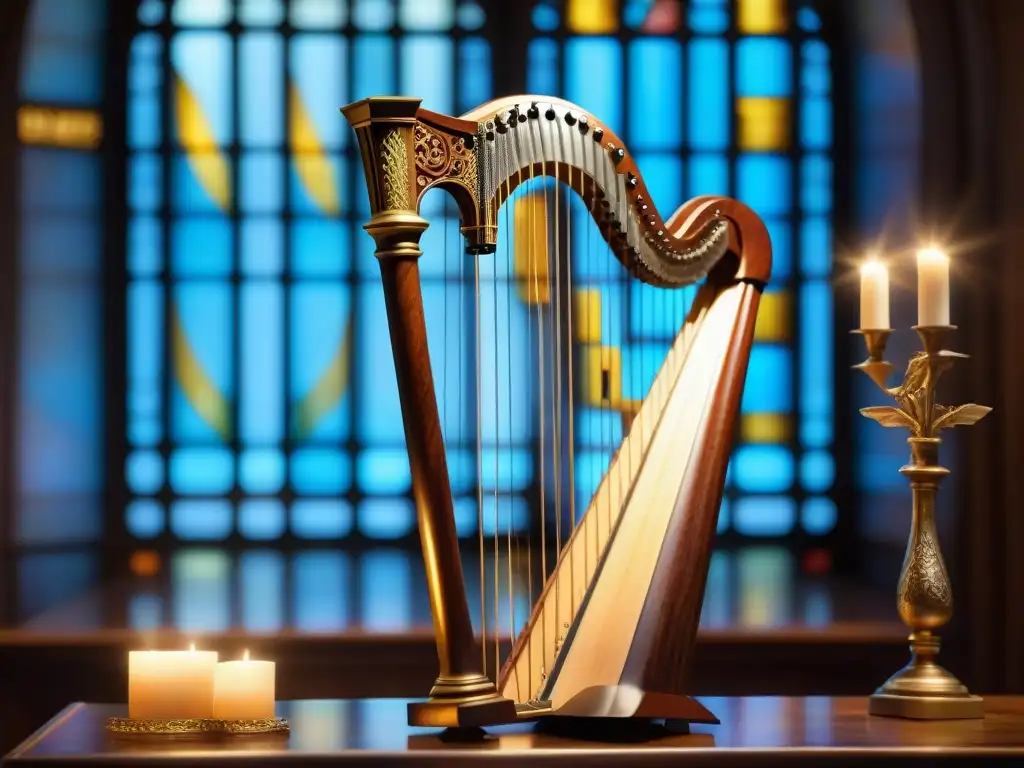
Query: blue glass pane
point(815, 72)
point(201, 247)
point(769, 386)
point(816, 380)
point(318, 14)
point(373, 14)
point(145, 246)
point(655, 312)
point(807, 19)
point(434, 83)
point(201, 589)
point(261, 582)
point(318, 67)
point(145, 362)
point(202, 470)
point(320, 471)
point(781, 235)
point(61, 70)
point(261, 519)
point(261, 89)
point(471, 15)
point(474, 73)
point(707, 174)
point(261, 471)
point(387, 597)
point(466, 517)
point(317, 194)
point(723, 517)
point(378, 387)
point(764, 515)
point(763, 468)
point(506, 513)
point(656, 68)
point(506, 469)
point(261, 387)
point(383, 471)
point(707, 103)
point(817, 471)
point(261, 182)
point(663, 175)
point(145, 612)
point(816, 184)
point(144, 471)
point(462, 469)
point(144, 86)
point(386, 518)
point(60, 247)
point(425, 15)
point(818, 516)
point(503, 379)
point(816, 246)
point(542, 66)
point(597, 427)
point(201, 520)
point(321, 519)
point(764, 183)
point(320, 248)
point(151, 12)
point(764, 67)
point(321, 360)
point(373, 65)
point(201, 13)
point(144, 518)
point(708, 17)
point(67, 182)
point(591, 64)
point(545, 18)
point(320, 590)
point(260, 12)
point(816, 123)
point(262, 247)
point(145, 182)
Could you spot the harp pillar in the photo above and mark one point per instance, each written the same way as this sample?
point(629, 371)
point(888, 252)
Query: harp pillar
point(462, 696)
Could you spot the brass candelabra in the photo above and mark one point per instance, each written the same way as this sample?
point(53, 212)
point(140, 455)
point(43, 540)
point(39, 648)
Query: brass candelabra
point(922, 689)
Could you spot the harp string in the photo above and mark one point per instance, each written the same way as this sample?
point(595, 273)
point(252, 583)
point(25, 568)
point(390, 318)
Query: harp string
point(570, 343)
point(511, 484)
point(497, 469)
point(556, 395)
point(540, 395)
point(480, 466)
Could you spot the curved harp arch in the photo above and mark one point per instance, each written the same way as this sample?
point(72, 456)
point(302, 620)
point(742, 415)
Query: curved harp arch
point(625, 625)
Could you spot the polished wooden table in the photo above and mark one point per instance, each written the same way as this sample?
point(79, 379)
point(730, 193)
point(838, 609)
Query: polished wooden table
point(755, 731)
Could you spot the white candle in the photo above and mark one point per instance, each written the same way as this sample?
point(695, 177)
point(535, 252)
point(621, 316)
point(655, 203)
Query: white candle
point(874, 296)
point(932, 287)
point(170, 684)
point(244, 690)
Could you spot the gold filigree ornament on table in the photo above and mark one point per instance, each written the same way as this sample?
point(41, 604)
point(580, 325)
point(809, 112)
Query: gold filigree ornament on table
point(922, 689)
point(197, 727)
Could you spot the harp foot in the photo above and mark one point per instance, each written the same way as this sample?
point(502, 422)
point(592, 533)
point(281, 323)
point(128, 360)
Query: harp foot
point(462, 702)
point(627, 701)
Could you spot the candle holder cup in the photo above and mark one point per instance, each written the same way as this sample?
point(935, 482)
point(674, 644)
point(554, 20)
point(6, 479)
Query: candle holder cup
point(922, 689)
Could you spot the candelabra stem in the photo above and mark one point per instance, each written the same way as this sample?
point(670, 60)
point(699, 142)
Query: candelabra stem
point(923, 689)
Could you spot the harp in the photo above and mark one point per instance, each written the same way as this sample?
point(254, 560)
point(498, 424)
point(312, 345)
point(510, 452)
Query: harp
point(612, 630)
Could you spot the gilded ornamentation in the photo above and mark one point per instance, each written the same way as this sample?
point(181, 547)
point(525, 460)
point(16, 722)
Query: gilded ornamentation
point(439, 156)
point(396, 171)
point(924, 585)
point(208, 727)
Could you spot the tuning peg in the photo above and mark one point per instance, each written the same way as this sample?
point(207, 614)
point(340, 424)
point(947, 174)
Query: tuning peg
point(584, 125)
point(570, 118)
point(533, 112)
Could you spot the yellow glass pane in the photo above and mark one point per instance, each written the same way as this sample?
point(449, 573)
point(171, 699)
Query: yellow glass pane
point(764, 428)
point(763, 123)
point(586, 317)
point(762, 17)
point(773, 317)
point(602, 376)
point(592, 17)
point(531, 249)
point(73, 128)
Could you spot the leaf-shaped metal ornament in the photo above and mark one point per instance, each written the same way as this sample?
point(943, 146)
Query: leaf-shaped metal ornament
point(961, 416)
point(888, 416)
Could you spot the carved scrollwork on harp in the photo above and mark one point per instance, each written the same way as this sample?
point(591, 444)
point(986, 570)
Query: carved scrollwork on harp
point(441, 157)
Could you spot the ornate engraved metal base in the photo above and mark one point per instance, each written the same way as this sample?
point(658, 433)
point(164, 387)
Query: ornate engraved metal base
point(191, 727)
point(262, 726)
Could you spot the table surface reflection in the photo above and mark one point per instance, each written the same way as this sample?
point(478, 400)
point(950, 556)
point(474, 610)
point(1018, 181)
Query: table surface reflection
point(754, 731)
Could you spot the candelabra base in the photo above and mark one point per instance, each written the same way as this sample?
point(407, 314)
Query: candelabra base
point(923, 690)
point(927, 707)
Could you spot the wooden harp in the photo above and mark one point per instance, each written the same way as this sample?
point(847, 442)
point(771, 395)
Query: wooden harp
point(613, 630)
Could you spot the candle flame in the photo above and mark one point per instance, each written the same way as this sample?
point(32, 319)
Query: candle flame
point(932, 254)
point(872, 267)
point(245, 655)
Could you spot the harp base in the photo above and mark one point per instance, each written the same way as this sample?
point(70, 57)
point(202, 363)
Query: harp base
point(622, 702)
point(462, 703)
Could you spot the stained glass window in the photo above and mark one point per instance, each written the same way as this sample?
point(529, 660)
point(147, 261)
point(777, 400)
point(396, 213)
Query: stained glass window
point(728, 97)
point(257, 403)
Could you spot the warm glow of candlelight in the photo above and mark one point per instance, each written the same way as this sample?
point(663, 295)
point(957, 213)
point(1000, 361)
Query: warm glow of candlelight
point(874, 295)
point(244, 690)
point(245, 655)
point(192, 647)
point(932, 287)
